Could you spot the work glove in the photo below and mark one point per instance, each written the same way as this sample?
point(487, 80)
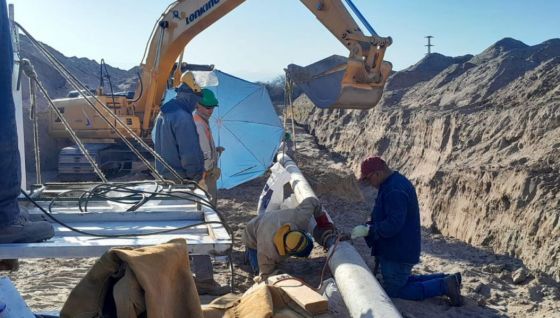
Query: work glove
point(359, 231)
point(263, 277)
point(259, 279)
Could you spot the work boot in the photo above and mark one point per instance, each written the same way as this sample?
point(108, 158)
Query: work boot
point(22, 230)
point(453, 290)
point(9, 264)
point(459, 278)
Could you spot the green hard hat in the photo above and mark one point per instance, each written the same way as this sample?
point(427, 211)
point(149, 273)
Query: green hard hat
point(208, 98)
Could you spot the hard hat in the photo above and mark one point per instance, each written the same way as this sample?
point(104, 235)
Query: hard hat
point(208, 99)
point(296, 243)
point(188, 79)
point(371, 165)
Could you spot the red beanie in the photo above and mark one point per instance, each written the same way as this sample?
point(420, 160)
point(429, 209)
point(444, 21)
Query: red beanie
point(370, 165)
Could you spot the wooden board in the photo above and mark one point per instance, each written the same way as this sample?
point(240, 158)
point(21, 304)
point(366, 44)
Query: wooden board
point(305, 296)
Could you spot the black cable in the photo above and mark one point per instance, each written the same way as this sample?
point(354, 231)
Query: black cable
point(103, 65)
point(141, 88)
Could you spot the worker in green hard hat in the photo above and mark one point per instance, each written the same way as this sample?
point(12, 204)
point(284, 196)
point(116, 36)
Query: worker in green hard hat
point(204, 109)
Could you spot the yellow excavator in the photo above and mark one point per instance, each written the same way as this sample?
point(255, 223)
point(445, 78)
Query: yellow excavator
point(355, 82)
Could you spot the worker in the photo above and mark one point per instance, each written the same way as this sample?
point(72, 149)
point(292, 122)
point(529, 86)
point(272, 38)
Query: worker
point(287, 145)
point(393, 234)
point(15, 227)
point(204, 109)
point(275, 235)
point(175, 137)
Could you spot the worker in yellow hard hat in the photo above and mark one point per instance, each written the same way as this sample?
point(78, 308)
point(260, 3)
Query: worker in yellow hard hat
point(275, 235)
point(292, 243)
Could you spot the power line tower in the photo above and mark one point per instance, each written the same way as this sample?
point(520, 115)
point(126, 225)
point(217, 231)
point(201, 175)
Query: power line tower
point(429, 45)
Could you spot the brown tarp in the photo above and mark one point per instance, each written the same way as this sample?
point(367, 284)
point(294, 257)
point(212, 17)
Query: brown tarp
point(154, 281)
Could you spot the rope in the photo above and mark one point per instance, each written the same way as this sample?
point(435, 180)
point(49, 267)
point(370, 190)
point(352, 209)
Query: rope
point(29, 70)
point(82, 90)
point(329, 256)
point(26, 64)
point(288, 91)
point(102, 66)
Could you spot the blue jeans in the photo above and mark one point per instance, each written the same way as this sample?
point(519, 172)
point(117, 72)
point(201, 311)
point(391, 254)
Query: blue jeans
point(399, 283)
point(10, 175)
point(251, 255)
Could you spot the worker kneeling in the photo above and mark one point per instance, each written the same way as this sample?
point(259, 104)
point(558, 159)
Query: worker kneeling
point(275, 235)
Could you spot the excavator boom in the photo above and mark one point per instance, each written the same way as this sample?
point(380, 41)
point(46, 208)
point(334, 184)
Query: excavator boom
point(356, 83)
point(352, 82)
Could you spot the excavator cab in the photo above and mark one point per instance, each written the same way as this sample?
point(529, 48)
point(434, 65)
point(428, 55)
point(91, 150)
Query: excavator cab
point(340, 82)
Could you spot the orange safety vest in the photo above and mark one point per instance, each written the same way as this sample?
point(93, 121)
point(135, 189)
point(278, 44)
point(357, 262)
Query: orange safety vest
point(201, 120)
point(197, 118)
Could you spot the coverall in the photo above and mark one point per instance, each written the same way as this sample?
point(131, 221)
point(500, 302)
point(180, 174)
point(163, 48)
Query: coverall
point(394, 236)
point(260, 231)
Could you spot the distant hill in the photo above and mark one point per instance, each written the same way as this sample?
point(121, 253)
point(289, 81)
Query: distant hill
point(86, 70)
point(480, 136)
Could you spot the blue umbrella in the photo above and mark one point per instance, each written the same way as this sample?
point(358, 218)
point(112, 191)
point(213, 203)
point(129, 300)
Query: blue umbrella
point(245, 124)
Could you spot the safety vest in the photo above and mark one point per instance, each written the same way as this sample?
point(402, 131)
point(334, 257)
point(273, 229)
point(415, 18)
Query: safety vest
point(198, 119)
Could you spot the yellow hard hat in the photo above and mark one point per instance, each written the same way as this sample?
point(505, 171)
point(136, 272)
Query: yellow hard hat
point(188, 79)
point(290, 242)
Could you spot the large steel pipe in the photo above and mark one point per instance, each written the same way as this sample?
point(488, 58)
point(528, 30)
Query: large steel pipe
point(363, 295)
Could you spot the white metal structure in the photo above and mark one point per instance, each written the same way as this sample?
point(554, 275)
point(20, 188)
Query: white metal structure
point(109, 217)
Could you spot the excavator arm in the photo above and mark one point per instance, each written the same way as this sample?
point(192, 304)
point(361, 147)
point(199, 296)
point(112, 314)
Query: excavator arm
point(360, 79)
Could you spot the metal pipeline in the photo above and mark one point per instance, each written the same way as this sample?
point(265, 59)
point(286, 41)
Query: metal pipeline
point(363, 295)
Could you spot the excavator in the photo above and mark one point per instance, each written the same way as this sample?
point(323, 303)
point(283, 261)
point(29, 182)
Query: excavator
point(355, 82)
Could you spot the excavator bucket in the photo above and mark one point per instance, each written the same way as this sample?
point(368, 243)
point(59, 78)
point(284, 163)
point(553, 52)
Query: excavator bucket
point(330, 83)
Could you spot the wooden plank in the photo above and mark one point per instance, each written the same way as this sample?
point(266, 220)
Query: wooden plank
point(305, 296)
point(217, 231)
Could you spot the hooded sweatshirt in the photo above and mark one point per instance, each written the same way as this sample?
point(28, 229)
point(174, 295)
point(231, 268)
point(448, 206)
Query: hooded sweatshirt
point(176, 139)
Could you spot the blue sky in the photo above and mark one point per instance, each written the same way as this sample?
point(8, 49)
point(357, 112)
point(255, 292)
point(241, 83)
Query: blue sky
point(261, 37)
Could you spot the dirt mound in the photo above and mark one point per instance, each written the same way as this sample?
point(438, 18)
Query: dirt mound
point(481, 140)
point(424, 70)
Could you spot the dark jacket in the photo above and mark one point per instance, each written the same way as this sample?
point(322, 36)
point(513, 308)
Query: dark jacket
point(395, 231)
point(176, 139)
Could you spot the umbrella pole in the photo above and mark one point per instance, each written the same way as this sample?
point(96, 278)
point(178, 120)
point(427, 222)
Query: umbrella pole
point(288, 102)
